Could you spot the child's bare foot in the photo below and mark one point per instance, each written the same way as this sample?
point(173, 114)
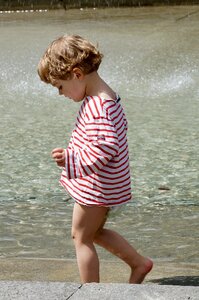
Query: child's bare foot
point(138, 274)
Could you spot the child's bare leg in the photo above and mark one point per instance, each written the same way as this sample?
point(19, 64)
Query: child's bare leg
point(117, 245)
point(85, 224)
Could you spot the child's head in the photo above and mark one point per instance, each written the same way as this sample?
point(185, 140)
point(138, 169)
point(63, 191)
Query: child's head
point(66, 53)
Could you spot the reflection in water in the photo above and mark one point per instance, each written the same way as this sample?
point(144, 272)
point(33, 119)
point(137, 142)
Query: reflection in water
point(151, 59)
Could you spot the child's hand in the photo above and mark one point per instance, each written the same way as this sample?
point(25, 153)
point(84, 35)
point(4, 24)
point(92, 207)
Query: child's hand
point(58, 154)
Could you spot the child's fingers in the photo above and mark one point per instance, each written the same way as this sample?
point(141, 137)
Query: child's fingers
point(58, 154)
point(58, 157)
point(60, 150)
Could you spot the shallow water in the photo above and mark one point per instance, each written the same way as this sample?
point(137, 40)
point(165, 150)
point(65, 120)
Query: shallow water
point(151, 60)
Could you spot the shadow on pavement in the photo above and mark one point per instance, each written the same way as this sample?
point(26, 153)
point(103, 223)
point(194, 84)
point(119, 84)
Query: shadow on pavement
point(178, 280)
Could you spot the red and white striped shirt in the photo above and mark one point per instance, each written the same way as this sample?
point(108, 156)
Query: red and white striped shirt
point(97, 163)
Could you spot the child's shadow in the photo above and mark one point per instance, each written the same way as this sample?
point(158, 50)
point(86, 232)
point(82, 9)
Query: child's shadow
point(178, 280)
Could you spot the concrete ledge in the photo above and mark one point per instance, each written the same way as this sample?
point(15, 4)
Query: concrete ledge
point(135, 292)
point(49, 279)
point(24, 290)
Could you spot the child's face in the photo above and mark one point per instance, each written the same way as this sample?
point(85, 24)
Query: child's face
point(73, 88)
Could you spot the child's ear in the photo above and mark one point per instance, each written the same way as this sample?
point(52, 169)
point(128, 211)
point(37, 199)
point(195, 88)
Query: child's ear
point(78, 73)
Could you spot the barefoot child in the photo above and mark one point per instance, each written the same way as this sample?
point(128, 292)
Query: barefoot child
point(95, 164)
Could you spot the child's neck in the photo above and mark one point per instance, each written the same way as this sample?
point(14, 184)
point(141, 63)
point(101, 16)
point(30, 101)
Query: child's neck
point(96, 86)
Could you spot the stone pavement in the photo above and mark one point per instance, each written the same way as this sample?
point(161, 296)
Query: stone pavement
point(24, 290)
point(55, 279)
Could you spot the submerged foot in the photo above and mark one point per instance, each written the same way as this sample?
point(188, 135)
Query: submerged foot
point(138, 274)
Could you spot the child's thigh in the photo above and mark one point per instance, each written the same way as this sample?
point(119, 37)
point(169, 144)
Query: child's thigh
point(87, 220)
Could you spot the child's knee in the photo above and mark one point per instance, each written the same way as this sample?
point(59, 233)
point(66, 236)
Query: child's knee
point(73, 234)
point(76, 238)
point(81, 236)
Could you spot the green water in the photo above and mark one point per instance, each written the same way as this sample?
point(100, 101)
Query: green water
point(151, 60)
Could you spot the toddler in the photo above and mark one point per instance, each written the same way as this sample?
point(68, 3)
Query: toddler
point(95, 164)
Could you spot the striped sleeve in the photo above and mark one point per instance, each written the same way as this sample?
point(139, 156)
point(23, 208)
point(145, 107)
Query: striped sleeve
point(101, 145)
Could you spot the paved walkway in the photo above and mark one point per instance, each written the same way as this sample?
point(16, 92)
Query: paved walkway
point(24, 290)
point(48, 279)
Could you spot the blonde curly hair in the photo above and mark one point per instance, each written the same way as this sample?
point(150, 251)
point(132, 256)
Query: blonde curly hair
point(66, 53)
